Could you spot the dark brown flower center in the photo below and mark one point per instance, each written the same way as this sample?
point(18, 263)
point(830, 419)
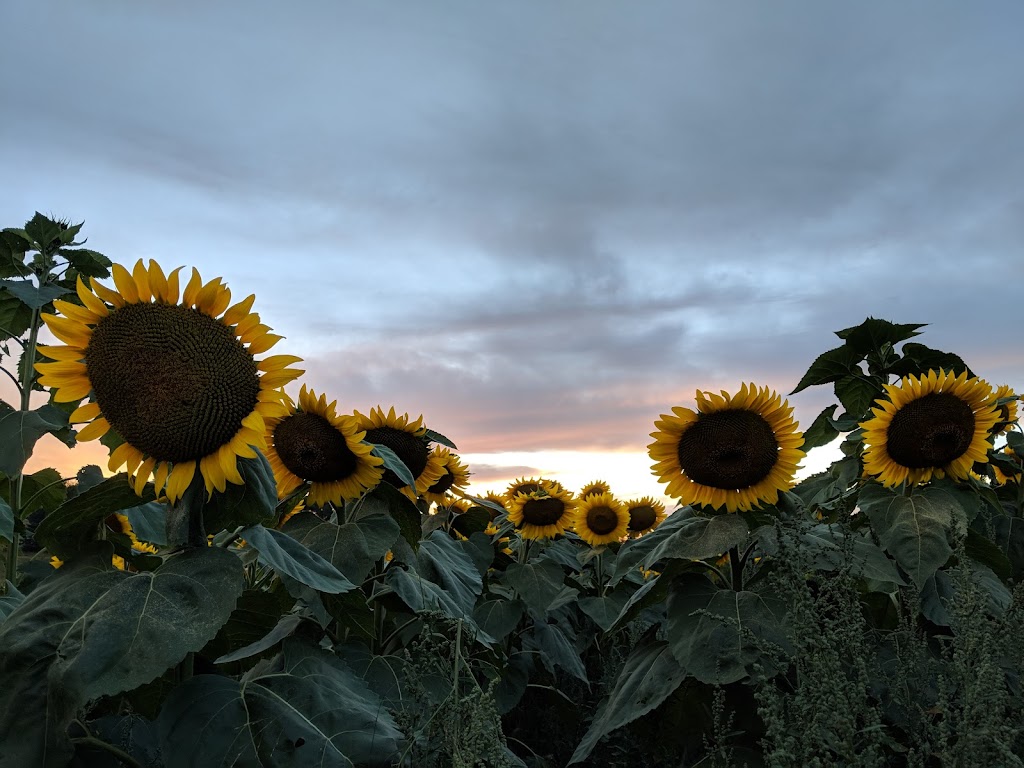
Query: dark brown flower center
point(409, 448)
point(931, 431)
point(545, 511)
point(173, 382)
point(728, 449)
point(642, 518)
point(526, 488)
point(447, 481)
point(312, 448)
point(602, 520)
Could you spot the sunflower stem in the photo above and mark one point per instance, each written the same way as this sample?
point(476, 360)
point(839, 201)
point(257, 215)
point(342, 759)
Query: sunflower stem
point(737, 569)
point(599, 573)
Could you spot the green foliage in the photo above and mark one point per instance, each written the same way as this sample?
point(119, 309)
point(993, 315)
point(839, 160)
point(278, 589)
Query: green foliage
point(285, 555)
point(19, 431)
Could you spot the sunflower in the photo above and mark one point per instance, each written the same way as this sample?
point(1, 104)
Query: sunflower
point(1007, 411)
point(1000, 476)
point(645, 514)
point(121, 524)
point(601, 519)
point(929, 427)
point(593, 488)
point(530, 485)
point(177, 381)
point(542, 514)
point(408, 440)
point(456, 475)
point(311, 442)
point(735, 451)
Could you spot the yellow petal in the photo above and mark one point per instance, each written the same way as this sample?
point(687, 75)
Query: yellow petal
point(67, 354)
point(160, 477)
point(85, 412)
point(263, 343)
point(277, 362)
point(229, 464)
point(221, 302)
point(208, 295)
point(75, 312)
point(172, 286)
point(90, 299)
point(141, 275)
point(279, 378)
point(111, 297)
point(62, 368)
point(125, 284)
point(94, 430)
point(143, 475)
point(70, 393)
point(180, 479)
point(121, 455)
point(195, 284)
point(67, 330)
point(239, 311)
point(157, 281)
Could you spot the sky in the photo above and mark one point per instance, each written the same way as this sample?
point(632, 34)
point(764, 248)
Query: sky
point(539, 224)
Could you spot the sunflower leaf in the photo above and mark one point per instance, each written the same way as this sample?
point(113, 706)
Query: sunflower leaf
point(856, 394)
point(395, 464)
point(6, 521)
point(832, 548)
point(830, 366)
point(69, 527)
point(305, 709)
point(86, 262)
point(30, 294)
point(15, 316)
point(437, 437)
point(353, 547)
point(286, 555)
point(918, 359)
point(650, 675)
point(605, 609)
point(149, 522)
point(913, 529)
point(252, 502)
point(717, 635)
point(536, 583)
point(19, 431)
point(9, 600)
point(821, 432)
point(872, 334)
point(699, 538)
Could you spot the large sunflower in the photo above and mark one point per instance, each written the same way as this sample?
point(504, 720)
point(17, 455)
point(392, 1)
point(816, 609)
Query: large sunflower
point(313, 443)
point(408, 440)
point(929, 427)
point(456, 475)
point(645, 514)
point(177, 381)
point(542, 514)
point(734, 451)
point(601, 519)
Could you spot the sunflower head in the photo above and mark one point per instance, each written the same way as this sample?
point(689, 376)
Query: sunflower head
point(312, 443)
point(601, 519)
point(409, 442)
point(531, 485)
point(1002, 477)
point(735, 451)
point(1007, 411)
point(542, 514)
point(593, 488)
point(456, 475)
point(120, 523)
point(927, 427)
point(176, 378)
point(645, 514)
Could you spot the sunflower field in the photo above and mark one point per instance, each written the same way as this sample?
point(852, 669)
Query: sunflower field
point(259, 578)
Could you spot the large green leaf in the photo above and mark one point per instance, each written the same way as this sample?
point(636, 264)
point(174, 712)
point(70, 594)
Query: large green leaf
point(256, 613)
point(86, 262)
point(833, 548)
point(69, 527)
point(918, 359)
point(31, 295)
point(555, 649)
point(286, 555)
point(606, 609)
point(873, 334)
point(498, 617)
point(442, 560)
point(632, 555)
point(913, 529)
point(536, 583)
point(649, 676)
point(19, 431)
point(283, 629)
point(830, 366)
point(353, 547)
point(253, 502)
point(149, 522)
point(9, 600)
point(856, 394)
point(384, 674)
point(940, 592)
point(699, 538)
point(387, 500)
point(6, 521)
point(821, 432)
point(715, 634)
point(305, 710)
point(15, 317)
point(90, 630)
point(395, 464)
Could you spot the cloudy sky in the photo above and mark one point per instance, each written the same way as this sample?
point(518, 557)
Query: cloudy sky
point(543, 224)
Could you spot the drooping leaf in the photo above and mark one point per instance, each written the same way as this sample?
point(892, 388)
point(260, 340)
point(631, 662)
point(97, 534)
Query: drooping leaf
point(833, 548)
point(6, 521)
point(856, 394)
point(942, 589)
point(913, 529)
point(443, 560)
point(286, 555)
point(253, 502)
point(437, 437)
point(821, 432)
point(918, 360)
point(9, 600)
point(699, 538)
point(255, 614)
point(353, 547)
point(716, 635)
point(284, 628)
point(306, 709)
point(387, 500)
point(31, 295)
point(65, 530)
point(15, 316)
point(556, 650)
point(19, 431)
point(149, 522)
point(498, 617)
point(650, 675)
point(605, 609)
point(536, 583)
point(90, 630)
point(395, 464)
point(42, 490)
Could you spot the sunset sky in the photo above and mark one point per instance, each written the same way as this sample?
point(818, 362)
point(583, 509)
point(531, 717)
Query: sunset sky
point(542, 224)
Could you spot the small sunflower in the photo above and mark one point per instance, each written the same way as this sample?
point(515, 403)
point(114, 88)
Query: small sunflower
point(594, 488)
point(734, 451)
point(120, 523)
point(456, 475)
point(177, 381)
point(311, 442)
point(542, 514)
point(601, 519)
point(645, 514)
point(1007, 411)
point(530, 485)
point(932, 426)
point(408, 440)
point(1001, 477)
